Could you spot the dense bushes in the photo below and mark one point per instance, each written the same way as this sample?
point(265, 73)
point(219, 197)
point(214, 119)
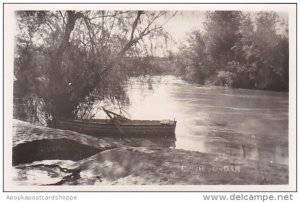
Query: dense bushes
point(238, 50)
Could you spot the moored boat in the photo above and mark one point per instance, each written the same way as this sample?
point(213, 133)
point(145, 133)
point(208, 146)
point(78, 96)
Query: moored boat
point(119, 126)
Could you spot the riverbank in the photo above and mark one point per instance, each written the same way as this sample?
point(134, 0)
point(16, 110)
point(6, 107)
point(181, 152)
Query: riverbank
point(116, 161)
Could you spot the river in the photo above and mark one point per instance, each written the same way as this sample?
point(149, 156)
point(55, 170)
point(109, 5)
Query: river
point(243, 123)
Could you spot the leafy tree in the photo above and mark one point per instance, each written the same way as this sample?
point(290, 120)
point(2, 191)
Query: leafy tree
point(237, 50)
point(264, 52)
point(273, 48)
point(221, 30)
point(70, 59)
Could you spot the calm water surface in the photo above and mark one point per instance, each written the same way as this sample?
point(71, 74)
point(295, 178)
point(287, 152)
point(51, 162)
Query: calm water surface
point(233, 122)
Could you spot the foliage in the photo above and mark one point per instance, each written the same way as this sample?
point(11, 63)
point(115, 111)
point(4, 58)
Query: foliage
point(225, 78)
point(238, 50)
point(148, 65)
point(70, 59)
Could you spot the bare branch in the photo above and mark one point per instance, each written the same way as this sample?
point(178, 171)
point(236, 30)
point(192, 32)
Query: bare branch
point(47, 23)
point(90, 31)
point(143, 33)
point(112, 15)
point(131, 40)
point(63, 17)
point(134, 25)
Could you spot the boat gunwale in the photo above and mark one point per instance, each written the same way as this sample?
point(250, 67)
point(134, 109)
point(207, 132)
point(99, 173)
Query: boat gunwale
point(106, 122)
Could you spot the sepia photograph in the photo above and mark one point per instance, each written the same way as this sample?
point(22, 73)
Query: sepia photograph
point(105, 95)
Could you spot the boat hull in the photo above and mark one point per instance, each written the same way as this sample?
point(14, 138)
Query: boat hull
point(131, 128)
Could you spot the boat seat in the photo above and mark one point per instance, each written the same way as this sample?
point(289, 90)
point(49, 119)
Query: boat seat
point(166, 122)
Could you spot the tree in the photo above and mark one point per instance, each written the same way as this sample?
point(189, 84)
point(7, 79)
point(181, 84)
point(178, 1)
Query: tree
point(240, 50)
point(264, 52)
point(78, 54)
point(221, 30)
point(193, 58)
point(273, 48)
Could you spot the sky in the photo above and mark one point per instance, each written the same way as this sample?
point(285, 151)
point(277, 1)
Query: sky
point(184, 22)
point(178, 26)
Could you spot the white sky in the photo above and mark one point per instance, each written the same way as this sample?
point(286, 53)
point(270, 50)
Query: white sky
point(184, 22)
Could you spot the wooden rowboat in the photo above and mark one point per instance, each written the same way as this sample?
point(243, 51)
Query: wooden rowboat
point(119, 126)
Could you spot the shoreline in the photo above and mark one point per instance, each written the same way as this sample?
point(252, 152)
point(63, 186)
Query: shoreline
point(119, 163)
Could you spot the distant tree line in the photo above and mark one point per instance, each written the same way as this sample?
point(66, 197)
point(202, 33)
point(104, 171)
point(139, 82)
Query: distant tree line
point(237, 50)
point(147, 66)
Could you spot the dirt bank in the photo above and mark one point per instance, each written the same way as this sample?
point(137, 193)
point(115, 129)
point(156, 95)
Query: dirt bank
point(119, 161)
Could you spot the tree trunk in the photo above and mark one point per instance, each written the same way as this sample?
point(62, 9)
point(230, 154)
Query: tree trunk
point(60, 105)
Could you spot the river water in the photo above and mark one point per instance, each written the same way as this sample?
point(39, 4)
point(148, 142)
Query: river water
point(243, 123)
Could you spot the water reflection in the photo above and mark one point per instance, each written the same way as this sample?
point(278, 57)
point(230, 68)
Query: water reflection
point(250, 124)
